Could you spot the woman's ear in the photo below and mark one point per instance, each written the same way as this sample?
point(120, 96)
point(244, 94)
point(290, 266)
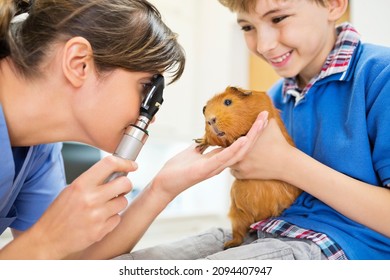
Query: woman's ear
point(77, 60)
point(336, 8)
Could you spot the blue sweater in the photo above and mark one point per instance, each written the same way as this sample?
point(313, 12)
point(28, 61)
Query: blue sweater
point(344, 122)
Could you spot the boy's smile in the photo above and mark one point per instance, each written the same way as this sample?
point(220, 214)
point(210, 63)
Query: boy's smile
point(280, 61)
point(294, 37)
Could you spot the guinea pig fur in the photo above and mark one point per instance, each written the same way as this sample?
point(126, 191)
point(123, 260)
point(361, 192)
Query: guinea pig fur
point(228, 116)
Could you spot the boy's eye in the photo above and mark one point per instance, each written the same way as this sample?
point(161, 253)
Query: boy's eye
point(278, 19)
point(246, 28)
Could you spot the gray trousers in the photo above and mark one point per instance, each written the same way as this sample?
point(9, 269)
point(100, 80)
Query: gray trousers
point(209, 245)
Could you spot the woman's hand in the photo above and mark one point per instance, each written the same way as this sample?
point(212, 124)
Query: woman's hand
point(266, 159)
point(86, 210)
point(192, 166)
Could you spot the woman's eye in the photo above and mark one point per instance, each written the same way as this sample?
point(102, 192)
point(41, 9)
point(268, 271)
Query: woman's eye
point(146, 86)
point(278, 19)
point(227, 102)
point(246, 28)
point(144, 91)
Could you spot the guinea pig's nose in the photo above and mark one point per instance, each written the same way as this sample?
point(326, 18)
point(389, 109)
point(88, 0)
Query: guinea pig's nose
point(212, 120)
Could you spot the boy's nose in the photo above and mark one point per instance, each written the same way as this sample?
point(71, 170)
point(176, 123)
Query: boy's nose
point(266, 40)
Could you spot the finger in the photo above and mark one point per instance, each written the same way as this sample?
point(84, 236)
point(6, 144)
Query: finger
point(113, 208)
point(111, 223)
point(119, 186)
point(98, 173)
point(222, 158)
point(116, 205)
point(260, 122)
point(254, 133)
point(213, 152)
point(235, 173)
point(232, 154)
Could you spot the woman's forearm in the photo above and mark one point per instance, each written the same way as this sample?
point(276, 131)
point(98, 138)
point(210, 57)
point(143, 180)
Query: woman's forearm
point(135, 220)
point(30, 245)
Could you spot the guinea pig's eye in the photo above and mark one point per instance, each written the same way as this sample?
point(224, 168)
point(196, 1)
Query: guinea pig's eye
point(227, 102)
point(204, 109)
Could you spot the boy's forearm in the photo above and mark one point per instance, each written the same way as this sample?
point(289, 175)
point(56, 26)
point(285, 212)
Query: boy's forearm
point(359, 201)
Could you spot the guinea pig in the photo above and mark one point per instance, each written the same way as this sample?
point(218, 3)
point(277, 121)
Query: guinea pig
point(228, 116)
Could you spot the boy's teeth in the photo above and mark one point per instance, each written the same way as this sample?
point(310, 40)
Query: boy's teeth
point(281, 58)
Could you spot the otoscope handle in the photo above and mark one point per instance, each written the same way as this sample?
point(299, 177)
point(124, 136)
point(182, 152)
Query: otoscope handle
point(114, 176)
point(129, 147)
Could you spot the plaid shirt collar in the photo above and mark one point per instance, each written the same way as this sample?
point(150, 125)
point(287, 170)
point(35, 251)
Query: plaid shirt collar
point(337, 61)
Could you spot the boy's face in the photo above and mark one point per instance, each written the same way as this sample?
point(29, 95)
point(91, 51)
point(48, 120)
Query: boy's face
point(293, 36)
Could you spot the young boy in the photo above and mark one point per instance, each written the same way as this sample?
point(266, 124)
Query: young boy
point(83, 81)
point(334, 100)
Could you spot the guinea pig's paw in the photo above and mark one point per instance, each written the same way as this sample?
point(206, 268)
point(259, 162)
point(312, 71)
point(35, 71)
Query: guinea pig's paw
point(202, 144)
point(201, 141)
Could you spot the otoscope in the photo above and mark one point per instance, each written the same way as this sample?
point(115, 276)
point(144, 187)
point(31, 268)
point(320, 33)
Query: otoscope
point(136, 134)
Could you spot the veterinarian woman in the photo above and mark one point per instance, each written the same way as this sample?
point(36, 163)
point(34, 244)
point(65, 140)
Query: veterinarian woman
point(74, 70)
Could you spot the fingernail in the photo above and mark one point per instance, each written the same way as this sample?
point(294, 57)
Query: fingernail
point(265, 115)
point(264, 119)
point(265, 123)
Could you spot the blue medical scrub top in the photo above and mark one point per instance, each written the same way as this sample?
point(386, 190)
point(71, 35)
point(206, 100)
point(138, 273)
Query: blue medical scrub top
point(30, 179)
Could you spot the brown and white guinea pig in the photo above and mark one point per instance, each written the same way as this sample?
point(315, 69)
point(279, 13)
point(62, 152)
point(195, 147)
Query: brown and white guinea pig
point(228, 116)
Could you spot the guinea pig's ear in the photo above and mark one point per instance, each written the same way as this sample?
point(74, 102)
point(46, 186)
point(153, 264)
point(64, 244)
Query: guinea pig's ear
point(204, 109)
point(246, 92)
point(241, 92)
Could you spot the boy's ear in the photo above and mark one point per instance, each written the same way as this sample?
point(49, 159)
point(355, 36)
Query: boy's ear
point(77, 60)
point(336, 8)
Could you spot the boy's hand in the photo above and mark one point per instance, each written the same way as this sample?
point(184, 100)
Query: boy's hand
point(266, 158)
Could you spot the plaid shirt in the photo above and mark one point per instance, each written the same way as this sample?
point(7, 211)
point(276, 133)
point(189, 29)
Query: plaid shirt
point(284, 229)
point(336, 62)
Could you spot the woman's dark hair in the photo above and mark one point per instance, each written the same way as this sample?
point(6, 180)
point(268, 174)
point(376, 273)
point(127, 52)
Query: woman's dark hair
point(127, 34)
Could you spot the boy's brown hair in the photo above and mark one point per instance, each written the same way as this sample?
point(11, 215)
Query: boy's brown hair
point(247, 5)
